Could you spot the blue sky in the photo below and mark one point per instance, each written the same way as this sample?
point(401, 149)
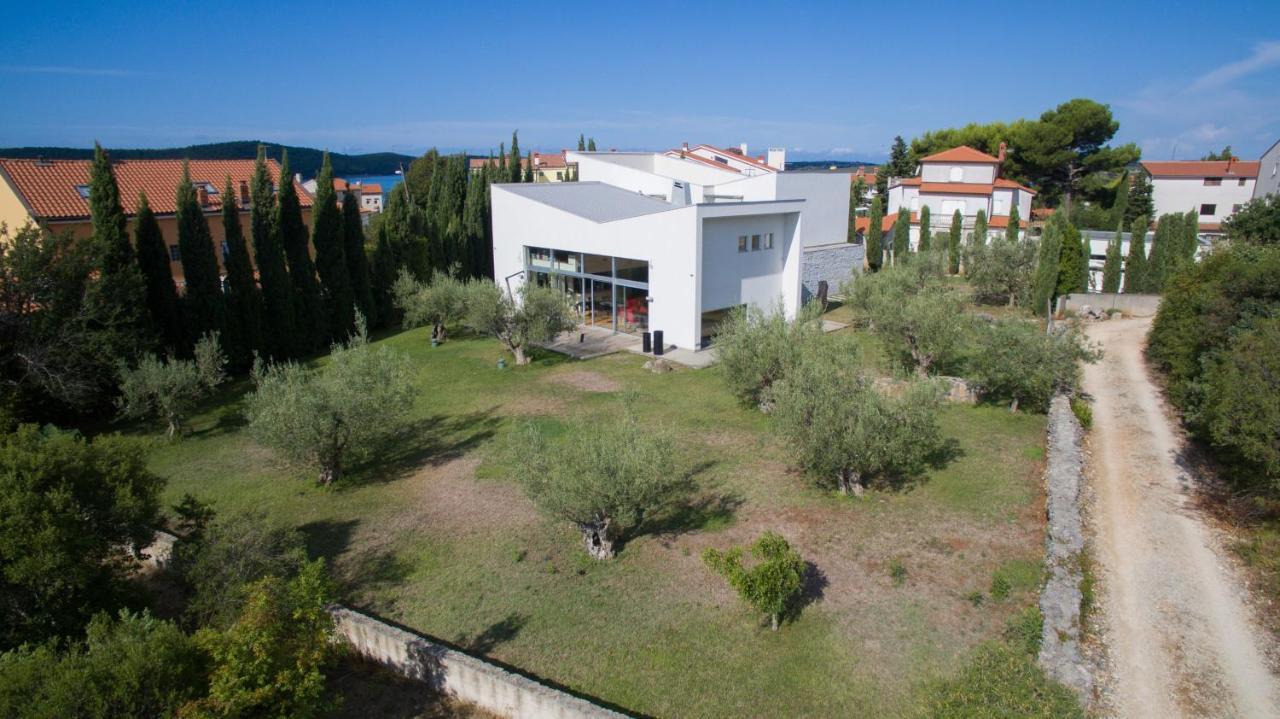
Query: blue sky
point(828, 80)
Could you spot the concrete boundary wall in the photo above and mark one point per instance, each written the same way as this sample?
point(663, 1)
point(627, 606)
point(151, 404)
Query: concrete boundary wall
point(1060, 654)
point(1135, 305)
point(445, 670)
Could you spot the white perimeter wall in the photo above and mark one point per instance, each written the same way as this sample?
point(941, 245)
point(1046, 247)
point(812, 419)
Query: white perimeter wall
point(1183, 194)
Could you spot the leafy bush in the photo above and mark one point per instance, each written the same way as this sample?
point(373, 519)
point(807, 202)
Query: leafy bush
point(1083, 412)
point(325, 416)
point(1239, 405)
point(271, 661)
point(919, 317)
point(169, 388)
point(1001, 271)
point(219, 564)
point(897, 572)
point(1019, 363)
point(1258, 222)
point(756, 349)
point(134, 666)
point(772, 583)
point(538, 314)
point(439, 303)
point(67, 508)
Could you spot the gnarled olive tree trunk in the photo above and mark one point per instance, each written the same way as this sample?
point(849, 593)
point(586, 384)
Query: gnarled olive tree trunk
point(849, 482)
point(598, 538)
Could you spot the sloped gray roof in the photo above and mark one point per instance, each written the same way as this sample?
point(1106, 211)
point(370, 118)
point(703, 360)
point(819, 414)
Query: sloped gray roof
point(593, 201)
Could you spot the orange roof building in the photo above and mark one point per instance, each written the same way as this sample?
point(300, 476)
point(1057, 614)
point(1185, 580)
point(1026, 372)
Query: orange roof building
point(1213, 189)
point(55, 194)
point(960, 179)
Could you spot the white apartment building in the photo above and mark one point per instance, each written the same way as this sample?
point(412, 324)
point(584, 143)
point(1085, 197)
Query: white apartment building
point(1214, 189)
point(963, 179)
point(672, 241)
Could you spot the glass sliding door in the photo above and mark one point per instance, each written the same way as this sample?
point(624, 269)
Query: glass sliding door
point(607, 292)
point(633, 309)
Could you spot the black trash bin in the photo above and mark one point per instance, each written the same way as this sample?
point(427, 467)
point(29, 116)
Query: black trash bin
point(648, 342)
point(657, 342)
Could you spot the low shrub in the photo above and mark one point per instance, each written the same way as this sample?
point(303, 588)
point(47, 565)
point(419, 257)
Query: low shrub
point(1083, 412)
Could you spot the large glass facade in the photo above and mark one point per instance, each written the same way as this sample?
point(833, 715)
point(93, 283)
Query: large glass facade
point(607, 292)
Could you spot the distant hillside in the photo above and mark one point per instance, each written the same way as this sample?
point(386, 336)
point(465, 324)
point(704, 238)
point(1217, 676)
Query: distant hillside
point(305, 160)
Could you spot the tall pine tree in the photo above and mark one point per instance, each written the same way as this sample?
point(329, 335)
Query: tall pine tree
point(244, 302)
point(1140, 201)
point(115, 300)
point(926, 233)
point(331, 260)
point(357, 260)
point(953, 242)
point(899, 159)
point(902, 236)
point(163, 304)
point(1111, 268)
point(203, 307)
point(513, 166)
point(279, 327)
point(1135, 263)
point(309, 314)
point(875, 234)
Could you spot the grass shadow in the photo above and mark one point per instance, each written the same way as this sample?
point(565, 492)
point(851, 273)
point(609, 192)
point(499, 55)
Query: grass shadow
point(328, 539)
point(372, 570)
point(431, 440)
point(498, 633)
point(705, 513)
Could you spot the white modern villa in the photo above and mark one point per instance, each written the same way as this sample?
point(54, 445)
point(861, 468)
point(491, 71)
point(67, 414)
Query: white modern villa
point(671, 241)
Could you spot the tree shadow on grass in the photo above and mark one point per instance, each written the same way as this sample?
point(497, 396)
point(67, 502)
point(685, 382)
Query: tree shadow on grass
point(813, 589)
point(708, 512)
point(431, 440)
point(373, 569)
point(907, 479)
point(496, 634)
point(328, 539)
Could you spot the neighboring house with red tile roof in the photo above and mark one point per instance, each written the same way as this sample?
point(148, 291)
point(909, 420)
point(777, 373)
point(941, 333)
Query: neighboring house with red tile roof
point(547, 166)
point(1213, 189)
point(55, 195)
point(735, 159)
point(962, 179)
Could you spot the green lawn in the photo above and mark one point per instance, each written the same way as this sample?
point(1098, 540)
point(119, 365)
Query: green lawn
point(436, 537)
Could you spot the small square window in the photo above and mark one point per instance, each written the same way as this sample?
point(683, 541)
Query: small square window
point(1208, 209)
point(755, 243)
point(768, 241)
point(174, 254)
point(1212, 181)
point(1240, 182)
point(742, 243)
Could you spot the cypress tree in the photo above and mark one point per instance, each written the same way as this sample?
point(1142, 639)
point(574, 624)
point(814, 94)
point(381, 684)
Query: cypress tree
point(899, 161)
point(980, 227)
point(882, 181)
point(162, 297)
point(1111, 268)
point(383, 277)
point(473, 227)
point(925, 232)
point(902, 235)
point(279, 328)
point(1192, 238)
point(1045, 282)
point(513, 167)
point(202, 304)
point(953, 242)
point(1120, 205)
point(485, 250)
point(528, 168)
point(357, 260)
point(1072, 264)
point(331, 257)
point(582, 143)
point(591, 144)
point(116, 299)
point(875, 233)
point(312, 323)
point(1140, 201)
point(244, 302)
point(1013, 231)
point(1135, 264)
point(1157, 261)
point(502, 162)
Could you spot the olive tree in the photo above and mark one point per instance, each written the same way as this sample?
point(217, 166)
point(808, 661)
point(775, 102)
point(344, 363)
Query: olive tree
point(1019, 363)
point(1002, 269)
point(603, 474)
point(755, 348)
point(920, 319)
point(841, 429)
point(168, 388)
point(772, 583)
point(439, 303)
point(323, 416)
point(537, 314)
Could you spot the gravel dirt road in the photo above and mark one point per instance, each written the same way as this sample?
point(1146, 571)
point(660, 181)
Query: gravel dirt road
point(1175, 621)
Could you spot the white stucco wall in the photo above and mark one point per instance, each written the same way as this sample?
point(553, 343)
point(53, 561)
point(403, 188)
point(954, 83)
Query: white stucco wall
point(971, 172)
point(1268, 172)
point(625, 171)
point(1181, 194)
point(731, 278)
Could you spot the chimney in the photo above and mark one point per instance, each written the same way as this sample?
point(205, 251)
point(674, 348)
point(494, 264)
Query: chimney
point(202, 195)
point(684, 147)
point(777, 158)
point(743, 147)
point(1000, 154)
point(244, 193)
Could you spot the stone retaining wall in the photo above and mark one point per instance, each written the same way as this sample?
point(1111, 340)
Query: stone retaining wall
point(833, 263)
point(446, 670)
point(1134, 305)
point(1060, 654)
